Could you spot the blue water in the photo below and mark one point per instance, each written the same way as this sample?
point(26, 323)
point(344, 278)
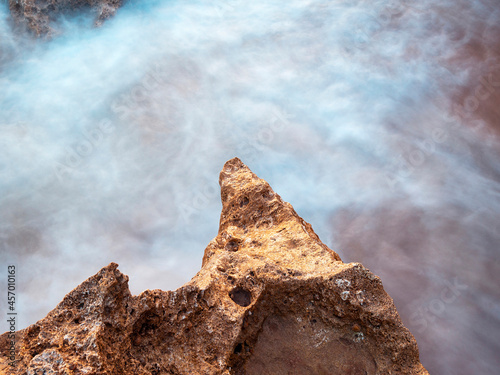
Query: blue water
point(113, 138)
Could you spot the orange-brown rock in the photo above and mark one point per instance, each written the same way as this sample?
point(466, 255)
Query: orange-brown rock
point(39, 15)
point(270, 298)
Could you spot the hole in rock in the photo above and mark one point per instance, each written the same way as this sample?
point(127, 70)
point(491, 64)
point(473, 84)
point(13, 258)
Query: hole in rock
point(238, 348)
point(232, 245)
point(244, 201)
point(241, 296)
point(147, 324)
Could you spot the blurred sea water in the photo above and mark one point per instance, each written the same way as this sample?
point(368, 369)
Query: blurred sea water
point(377, 120)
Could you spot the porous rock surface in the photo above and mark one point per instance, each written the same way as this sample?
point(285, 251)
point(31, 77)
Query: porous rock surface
point(40, 15)
point(270, 298)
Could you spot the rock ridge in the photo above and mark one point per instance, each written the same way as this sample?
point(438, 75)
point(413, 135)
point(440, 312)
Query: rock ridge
point(270, 298)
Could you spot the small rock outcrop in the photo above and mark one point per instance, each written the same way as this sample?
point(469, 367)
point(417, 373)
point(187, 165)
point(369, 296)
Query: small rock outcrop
point(39, 15)
point(270, 298)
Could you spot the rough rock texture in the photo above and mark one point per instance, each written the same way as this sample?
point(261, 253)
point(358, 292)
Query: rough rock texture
point(270, 298)
point(38, 15)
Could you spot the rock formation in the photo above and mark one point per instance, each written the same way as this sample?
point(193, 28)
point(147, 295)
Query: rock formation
point(39, 15)
point(270, 298)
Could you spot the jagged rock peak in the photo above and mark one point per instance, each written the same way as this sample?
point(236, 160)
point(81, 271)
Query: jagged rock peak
point(255, 220)
point(270, 298)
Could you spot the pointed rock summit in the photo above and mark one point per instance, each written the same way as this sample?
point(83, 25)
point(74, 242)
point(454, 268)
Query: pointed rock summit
point(270, 298)
point(255, 221)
